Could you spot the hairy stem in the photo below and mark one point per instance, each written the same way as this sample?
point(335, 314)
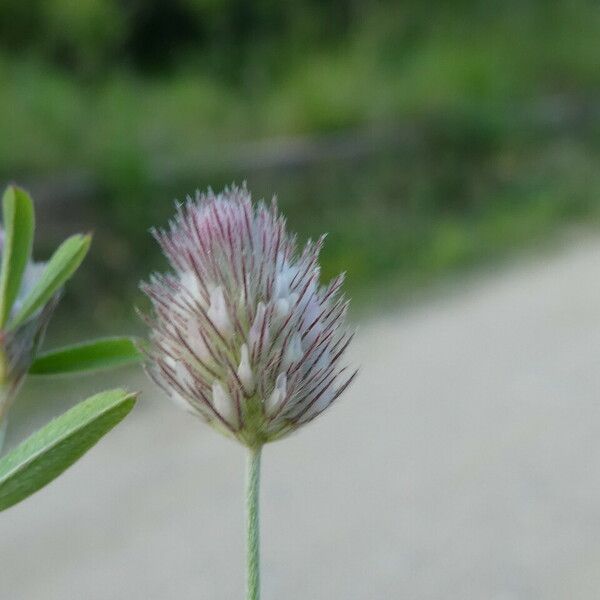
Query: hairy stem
point(253, 523)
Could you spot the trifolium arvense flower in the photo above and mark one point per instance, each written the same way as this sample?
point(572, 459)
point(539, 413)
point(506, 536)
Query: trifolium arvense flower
point(243, 334)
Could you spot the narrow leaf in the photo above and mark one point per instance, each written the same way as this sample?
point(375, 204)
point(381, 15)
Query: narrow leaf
point(19, 223)
point(61, 266)
point(49, 451)
point(105, 353)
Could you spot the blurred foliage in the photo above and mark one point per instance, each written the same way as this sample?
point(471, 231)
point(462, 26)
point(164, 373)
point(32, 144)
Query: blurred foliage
point(494, 104)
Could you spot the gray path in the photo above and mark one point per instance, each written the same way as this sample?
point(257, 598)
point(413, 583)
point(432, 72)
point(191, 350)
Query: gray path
point(464, 464)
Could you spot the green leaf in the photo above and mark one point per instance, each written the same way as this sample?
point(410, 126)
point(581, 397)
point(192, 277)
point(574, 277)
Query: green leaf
point(105, 353)
point(49, 451)
point(19, 224)
point(61, 266)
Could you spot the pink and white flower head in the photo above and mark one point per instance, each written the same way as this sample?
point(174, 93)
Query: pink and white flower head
point(243, 335)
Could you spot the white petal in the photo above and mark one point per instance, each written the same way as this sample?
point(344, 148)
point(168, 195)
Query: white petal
point(294, 351)
point(284, 279)
point(194, 339)
point(181, 372)
point(282, 283)
point(218, 312)
point(313, 310)
point(256, 329)
point(282, 308)
point(244, 371)
point(292, 299)
point(223, 404)
point(189, 281)
point(278, 394)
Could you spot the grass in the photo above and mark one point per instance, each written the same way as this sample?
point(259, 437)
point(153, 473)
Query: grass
point(504, 152)
point(479, 65)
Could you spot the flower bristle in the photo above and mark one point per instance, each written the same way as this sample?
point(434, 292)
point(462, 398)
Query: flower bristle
point(242, 332)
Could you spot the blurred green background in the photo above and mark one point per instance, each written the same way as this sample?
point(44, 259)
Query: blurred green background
point(425, 137)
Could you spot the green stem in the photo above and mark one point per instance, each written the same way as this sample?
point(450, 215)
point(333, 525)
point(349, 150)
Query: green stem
point(253, 523)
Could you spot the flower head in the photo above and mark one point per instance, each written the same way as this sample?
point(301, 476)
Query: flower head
point(242, 334)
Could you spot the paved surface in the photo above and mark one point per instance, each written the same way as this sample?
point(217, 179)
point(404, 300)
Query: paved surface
point(464, 464)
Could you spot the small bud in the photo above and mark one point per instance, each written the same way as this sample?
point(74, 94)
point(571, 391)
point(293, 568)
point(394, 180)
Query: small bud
point(19, 346)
